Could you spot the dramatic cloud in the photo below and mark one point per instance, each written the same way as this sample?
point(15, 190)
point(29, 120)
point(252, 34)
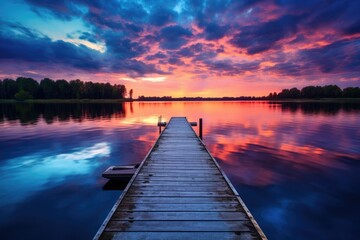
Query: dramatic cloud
point(20, 43)
point(353, 28)
point(278, 43)
point(63, 9)
point(230, 68)
point(162, 16)
point(263, 37)
point(173, 37)
point(340, 56)
point(214, 31)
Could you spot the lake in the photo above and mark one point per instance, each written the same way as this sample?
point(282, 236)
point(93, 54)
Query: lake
point(295, 165)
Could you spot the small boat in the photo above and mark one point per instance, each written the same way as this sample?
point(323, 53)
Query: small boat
point(161, 124)
point(194, 124)
point(120, 173)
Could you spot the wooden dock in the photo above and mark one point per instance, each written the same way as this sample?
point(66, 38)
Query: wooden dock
point(179, 192)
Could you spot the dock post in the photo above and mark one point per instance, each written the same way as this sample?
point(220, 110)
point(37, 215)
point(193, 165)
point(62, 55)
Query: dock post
point(159, 124)
point(200, 128)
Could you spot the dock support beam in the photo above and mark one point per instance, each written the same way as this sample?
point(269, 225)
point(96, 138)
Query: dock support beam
point(200, 128)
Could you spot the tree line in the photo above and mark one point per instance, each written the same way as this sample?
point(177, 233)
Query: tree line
point(27, 88)
point(314, 92)
point(170, 98)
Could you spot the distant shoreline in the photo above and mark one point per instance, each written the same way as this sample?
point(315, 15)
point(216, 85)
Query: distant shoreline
point(322, 100)
point(67, 101)
point(300, 100)
point(351, 100)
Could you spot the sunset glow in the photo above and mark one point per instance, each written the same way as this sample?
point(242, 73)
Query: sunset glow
point(184, 48)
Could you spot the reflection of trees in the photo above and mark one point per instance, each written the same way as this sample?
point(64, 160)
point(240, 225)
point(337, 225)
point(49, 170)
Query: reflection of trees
point(28, 113)
point(327, 108)
point(131, 107)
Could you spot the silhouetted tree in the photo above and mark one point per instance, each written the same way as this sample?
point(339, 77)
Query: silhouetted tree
point(28, 85)
point(63, 89)
point(23, 95)
point(332, 91)
point(48, 88)
point(294, 93)
point(131, 93)
point(319, 92)
point(308, 92)
point(107, 89)
point(9, 88)
point(1, 90)
point(284, 93)
point(119, 91)
point(77, 89)
point(123, 91)
point(351, 92)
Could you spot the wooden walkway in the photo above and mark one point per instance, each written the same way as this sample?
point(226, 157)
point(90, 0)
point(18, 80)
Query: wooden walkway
point(179, 192)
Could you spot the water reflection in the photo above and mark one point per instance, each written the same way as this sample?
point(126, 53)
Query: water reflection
point(28, 113)
point(295, 165)
point(51, 161)
point(45, 167)
point(325, 108)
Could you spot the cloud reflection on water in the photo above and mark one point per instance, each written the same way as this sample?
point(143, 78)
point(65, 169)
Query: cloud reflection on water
point(25, 175)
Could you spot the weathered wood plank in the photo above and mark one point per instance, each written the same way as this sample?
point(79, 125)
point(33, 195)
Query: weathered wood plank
point(180, 226)
point(152, 199)
point(182, 169)
point(179, 236)
point(167, 178)
point(179, 194)
point(179, 183)
point(172, 154)
point(178, 174)
point(195, 207)
point(180, 161)
point(178, 166)
point(180, 188)
point(180, 216)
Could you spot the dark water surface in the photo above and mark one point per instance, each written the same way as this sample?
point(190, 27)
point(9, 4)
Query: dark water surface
point(295, 165)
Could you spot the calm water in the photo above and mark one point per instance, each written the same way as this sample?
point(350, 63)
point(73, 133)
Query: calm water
point(296, 166)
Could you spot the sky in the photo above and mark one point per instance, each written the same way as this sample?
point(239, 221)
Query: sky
point(185, 47)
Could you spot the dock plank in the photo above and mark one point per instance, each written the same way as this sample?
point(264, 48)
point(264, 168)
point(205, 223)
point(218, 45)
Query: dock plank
point(180, 188)
point(181, 207)
point(179, 183)
point(168, 178)
point(179, 226)
point(179, 193)
point(180, 236)
point(144, 199)
point(180, 216)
